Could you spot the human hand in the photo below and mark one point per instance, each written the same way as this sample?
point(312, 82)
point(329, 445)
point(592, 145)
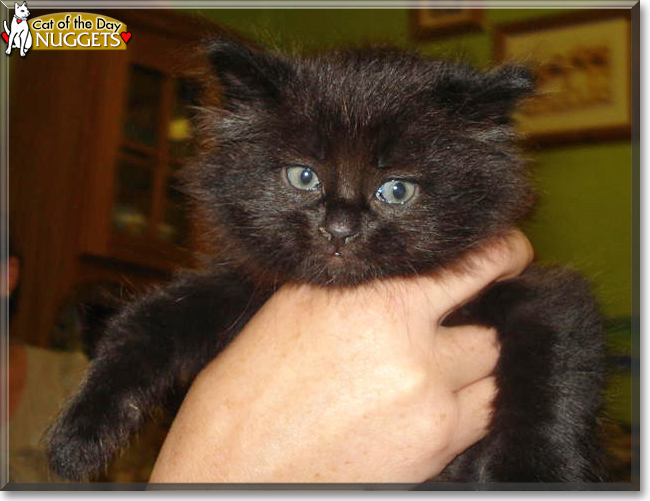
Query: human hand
point(346, 385)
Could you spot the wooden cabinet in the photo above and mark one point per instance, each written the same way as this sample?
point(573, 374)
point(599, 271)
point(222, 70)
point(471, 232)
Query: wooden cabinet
point(96, 142)
point(138, 213)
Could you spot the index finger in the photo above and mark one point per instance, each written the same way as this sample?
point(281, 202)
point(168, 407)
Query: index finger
point(499, 259)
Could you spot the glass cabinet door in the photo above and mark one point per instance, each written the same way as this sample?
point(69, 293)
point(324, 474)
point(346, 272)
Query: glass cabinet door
point(143, 108)
point(174, 226)
point(155, 140)
point(179, 130)
point(132, 205)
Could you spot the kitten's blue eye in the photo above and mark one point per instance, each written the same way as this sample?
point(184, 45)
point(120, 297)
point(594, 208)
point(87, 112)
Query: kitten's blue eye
point(395, 192)
point(303, 178)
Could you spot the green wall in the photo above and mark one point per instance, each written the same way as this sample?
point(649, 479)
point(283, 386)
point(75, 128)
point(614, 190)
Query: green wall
point(584, 216)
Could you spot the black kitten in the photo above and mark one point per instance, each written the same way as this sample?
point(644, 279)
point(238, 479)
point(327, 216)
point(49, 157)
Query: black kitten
point(343, 168)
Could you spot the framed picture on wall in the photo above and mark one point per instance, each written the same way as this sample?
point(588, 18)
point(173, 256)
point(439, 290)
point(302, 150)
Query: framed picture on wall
point(429, 23)
point(581, 61)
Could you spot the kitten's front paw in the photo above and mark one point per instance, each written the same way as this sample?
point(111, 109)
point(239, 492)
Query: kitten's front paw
point(8, 51)
point(78, 446)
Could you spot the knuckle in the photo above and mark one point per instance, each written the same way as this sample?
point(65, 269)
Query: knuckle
point(527, 249)
point(403, 384)
point(411, 381)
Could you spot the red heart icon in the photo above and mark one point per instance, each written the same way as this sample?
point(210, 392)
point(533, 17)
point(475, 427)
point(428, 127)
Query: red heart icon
point(126, 36)
point(5, 37)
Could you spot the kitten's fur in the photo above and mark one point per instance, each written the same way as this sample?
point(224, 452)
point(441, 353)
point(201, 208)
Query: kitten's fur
point(357, 118)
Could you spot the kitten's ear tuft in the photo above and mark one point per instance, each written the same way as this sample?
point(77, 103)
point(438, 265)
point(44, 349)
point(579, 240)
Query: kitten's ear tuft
point(511, 81)
point(503, 88)
point(489, 97)
point(246, 74)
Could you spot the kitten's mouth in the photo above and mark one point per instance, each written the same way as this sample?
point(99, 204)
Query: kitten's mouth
point(339, 255)
point(337, 259)
point(334, 265)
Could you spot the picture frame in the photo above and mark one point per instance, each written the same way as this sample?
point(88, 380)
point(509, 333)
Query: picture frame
point(582, 64)
point(428, 23)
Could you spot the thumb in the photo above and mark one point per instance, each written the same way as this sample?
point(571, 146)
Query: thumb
point(499, 259)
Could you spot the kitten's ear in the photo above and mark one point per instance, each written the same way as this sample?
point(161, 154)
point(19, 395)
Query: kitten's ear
point(490, 96)
point(507, 85)
point(246, 74)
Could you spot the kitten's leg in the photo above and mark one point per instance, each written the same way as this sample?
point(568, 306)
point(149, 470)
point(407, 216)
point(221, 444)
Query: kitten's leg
point(550, 377)
point(167, 336)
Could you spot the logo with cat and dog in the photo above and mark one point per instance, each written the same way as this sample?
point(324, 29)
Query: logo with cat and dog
point(63, 31)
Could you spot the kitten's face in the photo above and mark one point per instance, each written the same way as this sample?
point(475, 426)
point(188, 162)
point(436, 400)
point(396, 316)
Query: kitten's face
point(347, 168)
